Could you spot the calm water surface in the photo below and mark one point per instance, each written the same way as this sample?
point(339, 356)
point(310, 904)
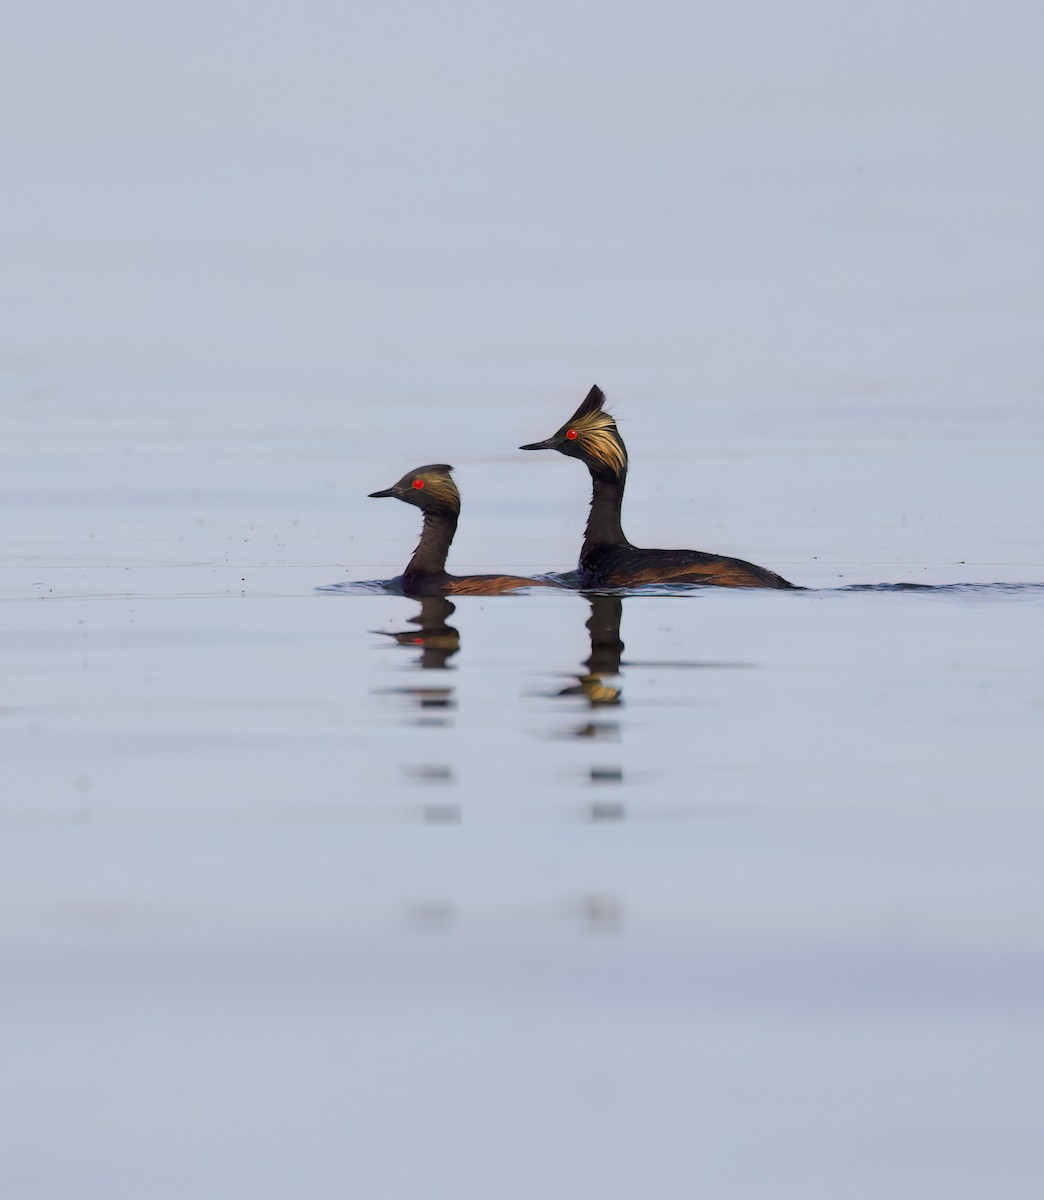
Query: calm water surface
point(386, 878)
point(320, 894)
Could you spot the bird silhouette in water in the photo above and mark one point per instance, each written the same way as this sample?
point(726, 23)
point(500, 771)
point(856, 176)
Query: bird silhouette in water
point(607, 558)
point(432, 490)
point(606, 649)
point(437, 640)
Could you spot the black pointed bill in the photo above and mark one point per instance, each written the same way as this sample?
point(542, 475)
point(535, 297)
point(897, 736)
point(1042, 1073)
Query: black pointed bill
point(387, 492)
point(550, 444)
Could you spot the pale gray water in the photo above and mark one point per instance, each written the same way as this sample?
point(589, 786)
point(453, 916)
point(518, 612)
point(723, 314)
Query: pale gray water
point(290, 908)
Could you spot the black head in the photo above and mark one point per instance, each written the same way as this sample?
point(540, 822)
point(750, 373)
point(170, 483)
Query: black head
point(591, 435)
point(429, 488)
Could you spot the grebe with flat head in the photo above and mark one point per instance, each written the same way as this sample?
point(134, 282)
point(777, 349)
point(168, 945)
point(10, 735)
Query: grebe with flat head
point(432, 490)
point(607, 558)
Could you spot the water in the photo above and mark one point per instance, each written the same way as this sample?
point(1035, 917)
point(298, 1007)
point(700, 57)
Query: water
point(307, 890)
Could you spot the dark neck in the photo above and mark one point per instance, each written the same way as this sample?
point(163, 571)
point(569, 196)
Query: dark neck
point(603, 525)
point(430, 556)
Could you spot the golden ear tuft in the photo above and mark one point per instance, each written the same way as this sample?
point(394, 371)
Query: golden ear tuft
point(596, 432)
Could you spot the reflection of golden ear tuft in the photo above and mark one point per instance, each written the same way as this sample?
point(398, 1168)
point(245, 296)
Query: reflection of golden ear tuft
point(597, 692)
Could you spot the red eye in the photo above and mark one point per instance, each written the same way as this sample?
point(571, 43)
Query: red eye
point(418, 484)
point(571, 434)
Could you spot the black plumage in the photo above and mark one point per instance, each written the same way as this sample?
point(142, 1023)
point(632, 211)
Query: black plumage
point(607, 558)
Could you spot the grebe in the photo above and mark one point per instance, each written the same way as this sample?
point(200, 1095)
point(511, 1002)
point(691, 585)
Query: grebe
point(432, 490)
point(607, 558)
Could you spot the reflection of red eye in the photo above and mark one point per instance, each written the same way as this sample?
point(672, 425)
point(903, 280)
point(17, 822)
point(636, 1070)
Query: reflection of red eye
point(418, 641)
point(571, 434)
point(418, 484)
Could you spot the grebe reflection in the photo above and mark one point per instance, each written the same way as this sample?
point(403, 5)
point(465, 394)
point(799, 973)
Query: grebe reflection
point(604, 659)
point(437, 640)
